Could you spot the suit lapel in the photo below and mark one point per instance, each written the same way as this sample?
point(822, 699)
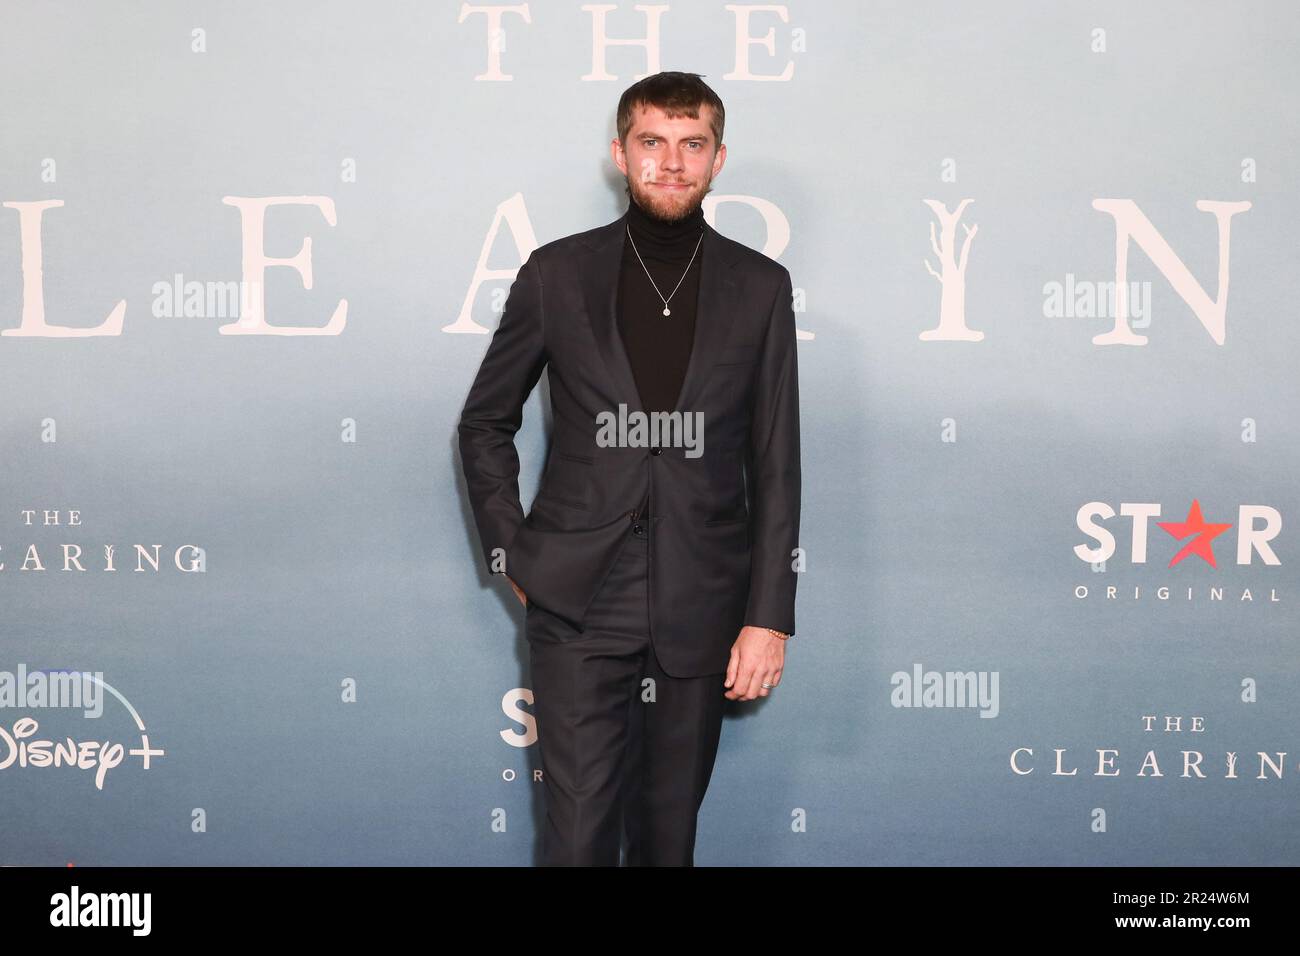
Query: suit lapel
point(714, 311)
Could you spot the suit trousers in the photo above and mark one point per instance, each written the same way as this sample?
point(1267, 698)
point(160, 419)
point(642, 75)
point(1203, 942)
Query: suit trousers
point(626, 749)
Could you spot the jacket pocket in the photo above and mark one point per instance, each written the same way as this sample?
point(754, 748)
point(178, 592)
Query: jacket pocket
point(548, 498)
point(717, 521)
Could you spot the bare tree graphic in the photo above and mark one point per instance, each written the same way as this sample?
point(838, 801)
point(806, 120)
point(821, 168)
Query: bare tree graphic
point(952, 301)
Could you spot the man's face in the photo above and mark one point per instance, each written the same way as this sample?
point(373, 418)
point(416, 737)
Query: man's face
point(669, 163)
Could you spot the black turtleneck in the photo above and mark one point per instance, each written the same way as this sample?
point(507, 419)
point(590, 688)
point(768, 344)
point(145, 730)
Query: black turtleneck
point(659, 346)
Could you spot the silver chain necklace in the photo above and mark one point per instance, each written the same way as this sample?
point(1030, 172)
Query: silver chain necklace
point(667, 311)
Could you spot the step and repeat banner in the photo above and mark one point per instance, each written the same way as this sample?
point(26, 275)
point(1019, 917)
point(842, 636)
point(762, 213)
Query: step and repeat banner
point(251, 255)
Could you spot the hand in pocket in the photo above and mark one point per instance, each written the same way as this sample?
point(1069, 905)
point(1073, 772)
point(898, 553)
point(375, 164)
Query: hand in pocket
point(523, 598)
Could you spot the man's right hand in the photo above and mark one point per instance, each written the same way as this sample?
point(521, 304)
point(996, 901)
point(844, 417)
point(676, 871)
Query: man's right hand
point(523, 598)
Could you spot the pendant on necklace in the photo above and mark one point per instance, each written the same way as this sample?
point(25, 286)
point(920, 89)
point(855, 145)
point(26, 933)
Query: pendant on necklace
point(667, 311)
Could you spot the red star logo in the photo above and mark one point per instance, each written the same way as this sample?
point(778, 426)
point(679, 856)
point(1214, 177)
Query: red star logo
point(1195, 524)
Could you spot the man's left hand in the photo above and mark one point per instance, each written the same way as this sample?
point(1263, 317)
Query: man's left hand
point(757, 658)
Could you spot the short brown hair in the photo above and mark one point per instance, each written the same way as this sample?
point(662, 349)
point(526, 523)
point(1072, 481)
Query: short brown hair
point(677, 94)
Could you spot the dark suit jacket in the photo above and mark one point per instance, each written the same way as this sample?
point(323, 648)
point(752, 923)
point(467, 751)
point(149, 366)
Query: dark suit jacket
point(724, 524)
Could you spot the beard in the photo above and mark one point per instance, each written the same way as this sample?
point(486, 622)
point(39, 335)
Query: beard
point(664, 205)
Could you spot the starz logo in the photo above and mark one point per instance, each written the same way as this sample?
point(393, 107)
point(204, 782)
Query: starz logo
point(1257, 526)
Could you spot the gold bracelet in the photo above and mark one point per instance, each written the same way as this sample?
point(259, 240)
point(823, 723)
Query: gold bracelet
point(781, 634)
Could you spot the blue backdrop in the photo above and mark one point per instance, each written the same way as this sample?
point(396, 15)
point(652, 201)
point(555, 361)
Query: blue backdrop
point(250, 258)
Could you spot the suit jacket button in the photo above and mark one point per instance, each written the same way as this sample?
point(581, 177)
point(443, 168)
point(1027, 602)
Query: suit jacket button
point(638, 529)
point(656, 451)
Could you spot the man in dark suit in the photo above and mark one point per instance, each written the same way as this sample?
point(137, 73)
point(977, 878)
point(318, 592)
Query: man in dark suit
point(658, 562)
